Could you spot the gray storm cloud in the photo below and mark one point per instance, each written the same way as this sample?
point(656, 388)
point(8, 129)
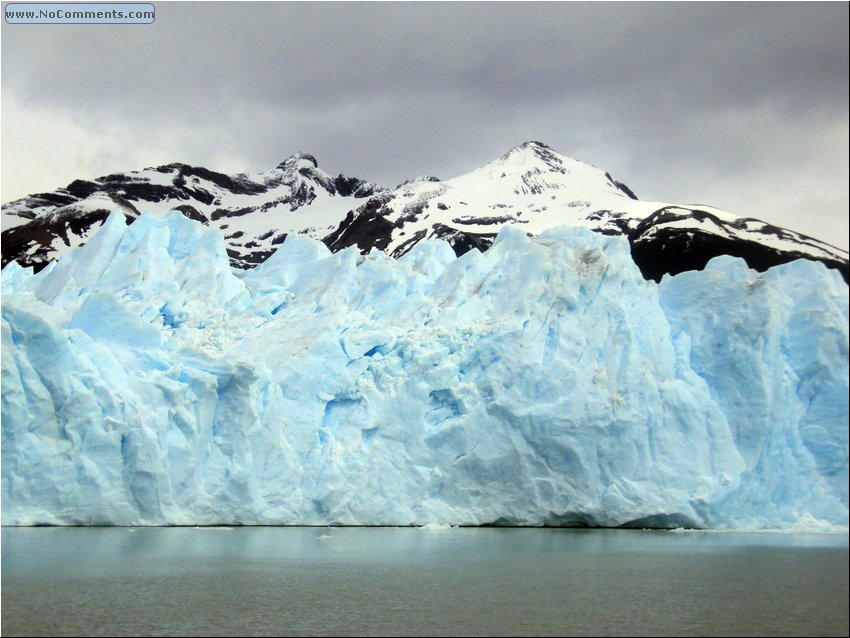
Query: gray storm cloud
point(744, 106)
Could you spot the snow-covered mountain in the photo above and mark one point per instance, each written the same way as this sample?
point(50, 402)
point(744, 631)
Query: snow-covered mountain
point(544, 381)
point(531, 187)
point(255, 212)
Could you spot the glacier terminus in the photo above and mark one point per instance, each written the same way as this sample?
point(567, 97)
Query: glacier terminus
point(545, 381)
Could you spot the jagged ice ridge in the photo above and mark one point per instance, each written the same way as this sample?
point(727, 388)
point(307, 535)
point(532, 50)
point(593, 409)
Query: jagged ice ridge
point(544, 381)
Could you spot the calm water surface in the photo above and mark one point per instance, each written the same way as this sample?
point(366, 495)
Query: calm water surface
point(378, 581)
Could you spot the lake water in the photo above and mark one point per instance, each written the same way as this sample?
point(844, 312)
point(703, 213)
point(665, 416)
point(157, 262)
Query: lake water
point(384, 581)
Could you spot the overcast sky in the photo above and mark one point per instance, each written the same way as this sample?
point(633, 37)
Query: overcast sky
point(742, 106)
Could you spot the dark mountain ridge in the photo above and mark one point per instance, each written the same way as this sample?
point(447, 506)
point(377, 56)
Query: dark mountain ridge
point(531, 186)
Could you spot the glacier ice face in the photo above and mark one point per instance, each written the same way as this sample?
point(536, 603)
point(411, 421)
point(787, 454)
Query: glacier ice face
point(773, 349)
point(542, 382)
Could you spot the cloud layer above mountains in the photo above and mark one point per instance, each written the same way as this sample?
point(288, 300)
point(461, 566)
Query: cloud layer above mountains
point(744, 106)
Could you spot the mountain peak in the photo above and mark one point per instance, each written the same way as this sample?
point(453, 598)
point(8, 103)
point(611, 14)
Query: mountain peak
point(537, 158)
point(533, 153)
point(299, 160)
point(420, 179)
point(535, 145)
point(530, 147)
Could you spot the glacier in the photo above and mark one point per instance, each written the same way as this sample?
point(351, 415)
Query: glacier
point(542, 382)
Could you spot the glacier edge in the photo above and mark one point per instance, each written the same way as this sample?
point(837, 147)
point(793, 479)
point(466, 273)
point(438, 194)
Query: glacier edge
point(542, 382)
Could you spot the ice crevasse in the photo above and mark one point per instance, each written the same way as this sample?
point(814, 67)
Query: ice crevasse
point(543, 382)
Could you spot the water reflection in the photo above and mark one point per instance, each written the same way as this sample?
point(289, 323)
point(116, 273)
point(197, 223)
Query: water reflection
point(379, 581)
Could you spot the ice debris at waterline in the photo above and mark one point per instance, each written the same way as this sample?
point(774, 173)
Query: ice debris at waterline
point(541, 382)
